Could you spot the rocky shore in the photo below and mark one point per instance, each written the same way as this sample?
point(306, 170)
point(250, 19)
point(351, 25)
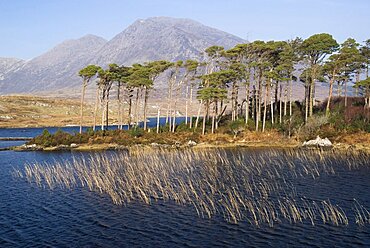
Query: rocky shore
point(318, 143)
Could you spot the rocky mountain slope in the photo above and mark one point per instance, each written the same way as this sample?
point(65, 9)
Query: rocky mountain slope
point(8, 65)
point(145, 40)
point(53, 70)
point(162, 38)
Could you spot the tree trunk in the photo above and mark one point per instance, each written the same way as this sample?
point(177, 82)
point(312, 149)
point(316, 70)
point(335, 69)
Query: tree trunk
point(186, 104)
point(213, 123)
point(357, 80)
point(158, 116)
point(168, 114)
point(216, 114)
point(174, 120)
point(267, 94)
point(285, 98)
point(246, 103)
point(272, 104)
point(277, 99)
point(312, 98)
point(96, 107)
point(191, 103)
point(84, 85)
point(103, 110)
point(129, 113)
point(258, 100)
point(280, 104)
point(137, 107)
point(307, 97)
point(219, 116)
point(345, 93)
point(236, 102)
point(106, 113)
point(119, 124)
point(330, 95)
point(198, 115)
point(307, 100)
point(254, 103)
point(213, 118)
point(146, 95)
point(170, 110)
point(290, 95)
point(102, 117)
point(205, 117)
point(172, 82)
point(232, 104)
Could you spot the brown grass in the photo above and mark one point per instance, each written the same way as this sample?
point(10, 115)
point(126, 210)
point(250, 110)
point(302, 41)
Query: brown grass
point(32, 111)
point(256, 187)
point(354, 138)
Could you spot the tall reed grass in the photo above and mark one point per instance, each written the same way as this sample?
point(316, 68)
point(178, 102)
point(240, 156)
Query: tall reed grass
point(253, 186)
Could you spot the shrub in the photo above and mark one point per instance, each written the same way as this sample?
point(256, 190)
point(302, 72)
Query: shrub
point(236, 127)
point(90, 131)
point(291, 124)
point(136, 132)
point(311, 129)
point(182, 127)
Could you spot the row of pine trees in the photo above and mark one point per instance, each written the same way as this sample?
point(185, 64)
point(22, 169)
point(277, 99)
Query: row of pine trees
point(251, 81)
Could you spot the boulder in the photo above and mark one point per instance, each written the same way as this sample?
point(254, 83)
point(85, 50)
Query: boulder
point(318, 142)
point(192, 143)
point(25, 147)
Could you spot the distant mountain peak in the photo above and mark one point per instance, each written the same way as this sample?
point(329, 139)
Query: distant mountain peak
point(162, 38)
point(154, 38)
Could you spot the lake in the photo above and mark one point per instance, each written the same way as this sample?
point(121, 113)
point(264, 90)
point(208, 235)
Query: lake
point(34, 215)
point(32, 132)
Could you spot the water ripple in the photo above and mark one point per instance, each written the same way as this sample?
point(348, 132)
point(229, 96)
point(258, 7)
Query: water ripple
point(33, 217)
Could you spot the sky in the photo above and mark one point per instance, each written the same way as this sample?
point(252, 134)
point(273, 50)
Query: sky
point(29, 28)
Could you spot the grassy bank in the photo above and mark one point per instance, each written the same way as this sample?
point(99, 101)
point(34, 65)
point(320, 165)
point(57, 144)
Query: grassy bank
point(121, 139)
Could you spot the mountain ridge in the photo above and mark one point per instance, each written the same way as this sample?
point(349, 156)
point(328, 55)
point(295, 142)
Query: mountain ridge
point(154, 38)
point(52, 69)
point(170, 34)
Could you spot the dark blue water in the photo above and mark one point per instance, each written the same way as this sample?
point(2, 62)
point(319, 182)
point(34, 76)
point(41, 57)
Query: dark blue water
point(35, 217)
point(32, 132)
point(5, 144)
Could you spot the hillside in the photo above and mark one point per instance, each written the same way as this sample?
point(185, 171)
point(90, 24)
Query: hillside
point(55, 72)
point(8, 65)
point(164, 38)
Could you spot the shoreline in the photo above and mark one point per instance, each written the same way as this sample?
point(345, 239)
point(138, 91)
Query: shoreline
point(251, 145)
point(271, 139)
point(68, 125)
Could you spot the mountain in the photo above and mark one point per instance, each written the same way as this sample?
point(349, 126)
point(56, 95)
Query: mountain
point(164, 38)
point(55, 69)
point(9, 65)
point(145, 40)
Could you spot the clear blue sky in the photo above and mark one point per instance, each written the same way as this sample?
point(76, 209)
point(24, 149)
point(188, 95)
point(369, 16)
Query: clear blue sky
point(31, 27)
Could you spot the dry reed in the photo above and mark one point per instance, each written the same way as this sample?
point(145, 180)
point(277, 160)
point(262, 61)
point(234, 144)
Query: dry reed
point(239, 185)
